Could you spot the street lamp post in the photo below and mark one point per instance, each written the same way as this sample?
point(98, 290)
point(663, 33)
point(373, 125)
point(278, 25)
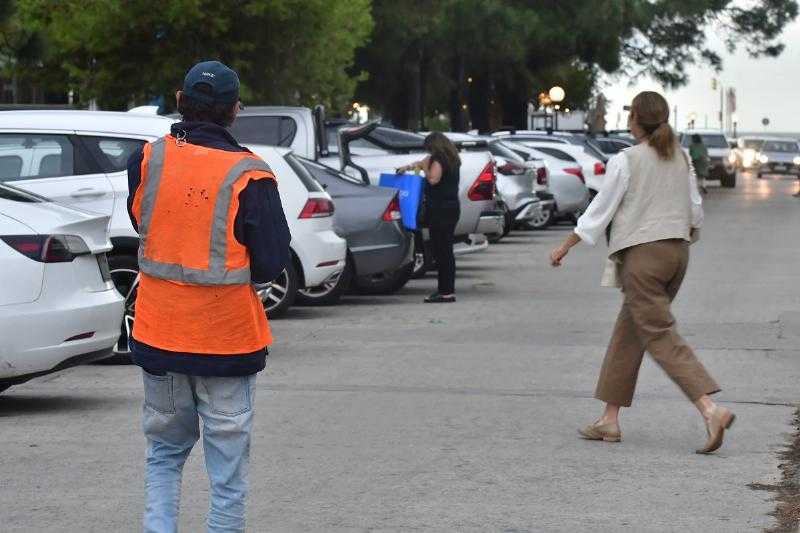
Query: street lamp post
point(735, 120)
point(556, 95)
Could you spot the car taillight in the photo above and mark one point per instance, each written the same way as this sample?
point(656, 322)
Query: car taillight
point(576, 172)
point(48, 248)
point(392, 212)
point(317, 208)
point(511, 169)
point(483, 188)
point(541, 176)
point(599, 168)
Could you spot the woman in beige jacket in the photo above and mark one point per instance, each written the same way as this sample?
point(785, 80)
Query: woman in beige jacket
point(651, 203)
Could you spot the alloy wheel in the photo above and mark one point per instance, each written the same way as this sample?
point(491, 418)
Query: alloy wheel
point(322, 290)
point(275, 292)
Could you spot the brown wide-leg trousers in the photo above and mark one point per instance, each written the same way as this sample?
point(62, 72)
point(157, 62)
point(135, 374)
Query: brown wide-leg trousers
point(651, 275)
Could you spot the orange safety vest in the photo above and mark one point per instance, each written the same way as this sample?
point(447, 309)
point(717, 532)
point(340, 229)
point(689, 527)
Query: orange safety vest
point(195, 293)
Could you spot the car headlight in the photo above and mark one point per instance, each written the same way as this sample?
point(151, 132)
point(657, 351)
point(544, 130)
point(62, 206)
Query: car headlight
point(796, 160)
point(763, 158)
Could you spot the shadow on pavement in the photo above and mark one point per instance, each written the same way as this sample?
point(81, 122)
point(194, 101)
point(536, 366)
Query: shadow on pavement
point(12, 405)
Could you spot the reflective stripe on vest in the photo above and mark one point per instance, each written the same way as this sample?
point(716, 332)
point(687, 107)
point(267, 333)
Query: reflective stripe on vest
point(216, 274)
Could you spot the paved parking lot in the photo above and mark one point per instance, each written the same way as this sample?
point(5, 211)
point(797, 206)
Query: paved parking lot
point(383, 414)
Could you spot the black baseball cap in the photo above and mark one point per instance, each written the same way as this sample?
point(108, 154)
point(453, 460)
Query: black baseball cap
point(222, 80)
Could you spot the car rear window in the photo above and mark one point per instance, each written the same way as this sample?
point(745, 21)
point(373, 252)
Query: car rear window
point(272, 131)
point(311, 184)
point(709, 140)
point(779, 146)
point(112, 153)
point(558, 154)
point(499, 150)
point(320, 172)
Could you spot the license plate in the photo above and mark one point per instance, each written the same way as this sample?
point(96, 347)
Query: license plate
point(105, 271)
point(779, 167)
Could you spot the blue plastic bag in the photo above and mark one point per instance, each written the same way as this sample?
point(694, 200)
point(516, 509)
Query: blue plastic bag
point(411, 190)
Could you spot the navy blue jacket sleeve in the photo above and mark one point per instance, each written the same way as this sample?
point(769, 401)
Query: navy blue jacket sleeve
point(134, 178)
point(261, 226)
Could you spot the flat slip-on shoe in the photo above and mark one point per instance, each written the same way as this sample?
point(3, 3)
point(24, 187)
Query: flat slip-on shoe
point(721, 419)
point(604, 432)
point(439, 299)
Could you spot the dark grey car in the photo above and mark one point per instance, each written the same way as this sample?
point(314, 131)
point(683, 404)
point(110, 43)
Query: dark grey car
point(380, 249)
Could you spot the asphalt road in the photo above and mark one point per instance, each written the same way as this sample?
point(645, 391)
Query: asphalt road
point(384, 414)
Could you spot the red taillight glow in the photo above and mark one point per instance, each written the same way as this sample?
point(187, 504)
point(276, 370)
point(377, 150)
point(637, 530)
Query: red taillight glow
point(47, 248)
point(599, 169)
point(483, 188)
point(392, 212)
point(541, 176)
point(317, 208)
point(576, 172)
point(511, 169)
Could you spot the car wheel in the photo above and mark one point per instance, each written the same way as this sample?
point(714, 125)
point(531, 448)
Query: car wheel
point(541, 221)
point(388, 284)
point(422, 257)
point(278, 295)
point(330, 292)
point(728, 180)
point(124, 271)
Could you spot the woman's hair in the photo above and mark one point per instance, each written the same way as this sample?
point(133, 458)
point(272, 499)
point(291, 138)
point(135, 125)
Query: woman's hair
point(651, 112)
point(438, 145)
point(697, 139)
point(193, 110)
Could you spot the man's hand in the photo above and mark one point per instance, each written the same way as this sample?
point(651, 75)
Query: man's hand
point(557, 255)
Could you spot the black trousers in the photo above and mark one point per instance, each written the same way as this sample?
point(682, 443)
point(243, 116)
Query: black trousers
point(442, 226)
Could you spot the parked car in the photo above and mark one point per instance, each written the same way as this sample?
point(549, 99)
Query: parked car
point(58, 306)
point(380, 249)
point(582, 148)
point(719, 152)
point(319, 256)
point(611, 144)
point(778, 156)
point(367, 151)
point(566, 182)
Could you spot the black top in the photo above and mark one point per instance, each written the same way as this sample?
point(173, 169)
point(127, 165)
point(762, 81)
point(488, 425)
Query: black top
point(443, 195)
point(260, 225)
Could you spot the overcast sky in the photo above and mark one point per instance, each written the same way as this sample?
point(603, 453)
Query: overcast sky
point(765, 87)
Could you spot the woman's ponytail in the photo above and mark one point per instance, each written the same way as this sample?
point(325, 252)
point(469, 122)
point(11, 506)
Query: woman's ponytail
point(663, 140)
point(651, 112)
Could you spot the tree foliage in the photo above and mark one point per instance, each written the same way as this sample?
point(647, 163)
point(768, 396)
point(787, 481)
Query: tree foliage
point(286, 51)
point(513, 49)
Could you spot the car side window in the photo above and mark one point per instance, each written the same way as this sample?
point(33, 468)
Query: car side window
point(272, 131)
point(111, 153)
point(26, 156)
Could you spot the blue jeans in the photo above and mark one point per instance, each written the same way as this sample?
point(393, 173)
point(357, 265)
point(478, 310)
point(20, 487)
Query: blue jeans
point(173, 406)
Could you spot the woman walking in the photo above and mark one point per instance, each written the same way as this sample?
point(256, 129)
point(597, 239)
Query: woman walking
point(699, 155)
point(651, 202)
point(442, 208)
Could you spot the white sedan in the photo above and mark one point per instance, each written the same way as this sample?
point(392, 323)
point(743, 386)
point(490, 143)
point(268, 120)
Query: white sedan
point(58, 306)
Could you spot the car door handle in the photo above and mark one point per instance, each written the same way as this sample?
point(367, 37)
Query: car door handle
point(87, 193)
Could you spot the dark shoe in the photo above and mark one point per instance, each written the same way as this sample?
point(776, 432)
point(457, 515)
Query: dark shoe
point(604, 432)
point(437, 298)
point(721, 419)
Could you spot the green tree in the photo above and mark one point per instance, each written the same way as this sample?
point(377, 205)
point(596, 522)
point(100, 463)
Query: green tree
point(286, 51)
point(482, 60)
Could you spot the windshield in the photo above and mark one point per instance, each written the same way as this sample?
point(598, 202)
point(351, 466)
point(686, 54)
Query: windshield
point(755, 144)
point(709, 140)
point(302, 172)
point(780, 146)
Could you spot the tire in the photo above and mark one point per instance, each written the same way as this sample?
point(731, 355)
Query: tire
point(328, 293)
point(389, 284)
point(124, 270)
point(422, 258)
point(542, 221)
point(728, 180)
point(278, 296)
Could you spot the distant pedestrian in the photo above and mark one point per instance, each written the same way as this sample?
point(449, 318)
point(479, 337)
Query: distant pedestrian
point(699, 155)
point(211, 223)
point(651, 201)
point(442, 208)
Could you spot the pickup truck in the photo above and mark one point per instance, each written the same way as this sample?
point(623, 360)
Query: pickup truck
point(368, 150)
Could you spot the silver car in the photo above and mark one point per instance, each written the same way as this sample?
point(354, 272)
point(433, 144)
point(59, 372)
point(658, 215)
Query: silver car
point(778, 156)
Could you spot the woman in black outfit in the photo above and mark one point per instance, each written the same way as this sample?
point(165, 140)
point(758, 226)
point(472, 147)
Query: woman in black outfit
point(442, 208)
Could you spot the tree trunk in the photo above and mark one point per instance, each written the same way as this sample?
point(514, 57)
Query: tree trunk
point(457, 116)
